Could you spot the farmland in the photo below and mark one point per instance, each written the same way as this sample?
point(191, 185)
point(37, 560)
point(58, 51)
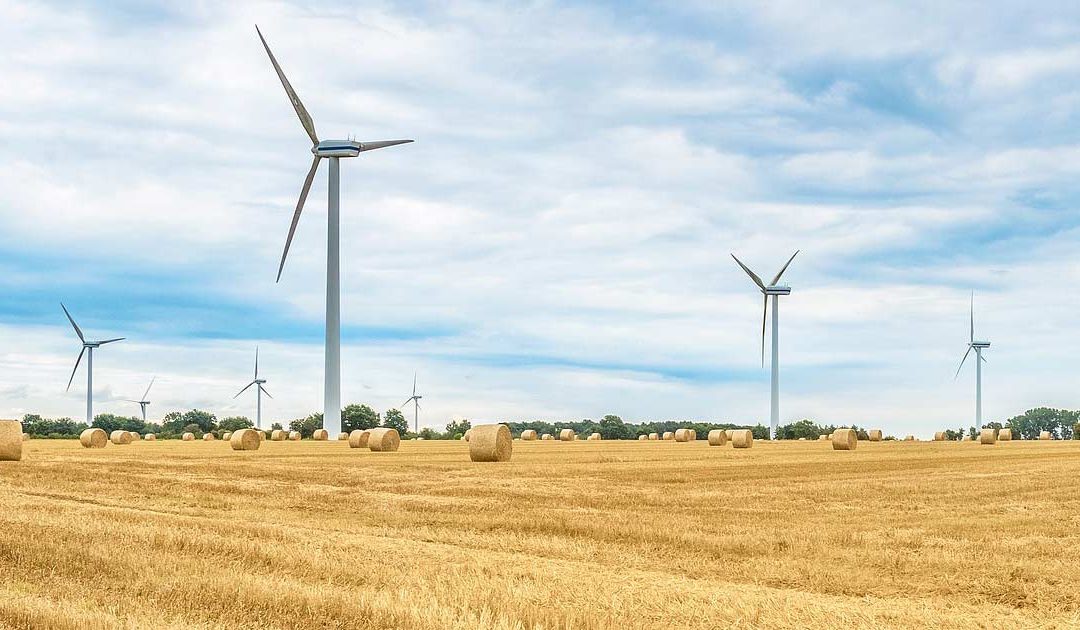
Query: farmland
point(582, 535)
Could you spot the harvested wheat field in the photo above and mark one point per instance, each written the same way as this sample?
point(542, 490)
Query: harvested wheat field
point(582, 535)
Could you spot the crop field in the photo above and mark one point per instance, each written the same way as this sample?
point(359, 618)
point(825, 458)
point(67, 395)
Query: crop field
point(566, 535)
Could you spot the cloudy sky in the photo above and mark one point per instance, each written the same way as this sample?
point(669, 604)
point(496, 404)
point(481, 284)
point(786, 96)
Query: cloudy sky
point(556, 242)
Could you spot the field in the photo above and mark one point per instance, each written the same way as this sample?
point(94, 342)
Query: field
point(567, 535)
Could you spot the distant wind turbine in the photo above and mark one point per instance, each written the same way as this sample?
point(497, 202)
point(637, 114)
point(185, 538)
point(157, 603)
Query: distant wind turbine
point(258, 392)
point(88, 349)
point(333, 150)
point(144, 402)
point(415, 400)
point(774, 290)
point(978, 347)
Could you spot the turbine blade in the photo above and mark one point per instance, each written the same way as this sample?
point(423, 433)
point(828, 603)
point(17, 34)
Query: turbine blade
point(243, 390)
point(972, 339)
point(983, 358)
point(406, 402)
point(753, 276)
point(962, 362)
point(777, 278)
point(301, 111)
point(296, 213)
point(73, 370)
point(73, 324)
point(764, 316)
point(256, 362)
point(265, 392)
point(414, 383)
point(381, 144)
point(147, 392)
point(111, 340)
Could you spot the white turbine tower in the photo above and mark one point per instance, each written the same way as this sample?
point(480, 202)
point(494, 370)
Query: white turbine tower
point(978, 347)
point(144, 402)
point(333, 150)
point(258, 382)
point(88, 348)
point(774, 290)
point(415, 400)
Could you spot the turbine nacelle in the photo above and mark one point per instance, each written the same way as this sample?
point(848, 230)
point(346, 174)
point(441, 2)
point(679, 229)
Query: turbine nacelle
point(350, 148)
point(982, 345)
point(775, 290)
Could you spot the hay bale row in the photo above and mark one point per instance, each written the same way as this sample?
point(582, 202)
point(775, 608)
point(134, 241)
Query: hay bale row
point(492, 443)
point(844, 440)
point(528, 435)
point(742, 438)
point(245, 440)
point(11, 439)
point(717, 437)
point(874, 435)
point(384, 440)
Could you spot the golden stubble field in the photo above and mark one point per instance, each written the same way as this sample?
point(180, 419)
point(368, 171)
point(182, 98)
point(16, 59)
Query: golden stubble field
point(566, 535)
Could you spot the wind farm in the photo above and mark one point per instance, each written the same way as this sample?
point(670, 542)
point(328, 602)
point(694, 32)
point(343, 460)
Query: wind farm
point(553, 251)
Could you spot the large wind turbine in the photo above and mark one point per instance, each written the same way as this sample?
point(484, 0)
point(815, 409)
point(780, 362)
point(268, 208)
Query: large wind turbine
point(88, 349)
point(978, 347)
point(258, 392)
point(144, 402)
point(333, 150)
point(774, 290)
point(415, 400)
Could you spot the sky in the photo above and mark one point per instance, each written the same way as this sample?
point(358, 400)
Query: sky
point(556, 243)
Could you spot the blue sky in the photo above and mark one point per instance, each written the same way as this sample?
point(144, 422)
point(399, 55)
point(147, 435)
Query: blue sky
point(556, 243)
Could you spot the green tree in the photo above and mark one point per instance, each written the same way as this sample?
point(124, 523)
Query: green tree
point(457, 428)
point(358, 417)
point(111, 422)
point(276, 426)
point(193, 428)
point(175, 422)
point(235, 423)
point(307, 426)
point(427, 433)
point(394, 419)
point(612, 427)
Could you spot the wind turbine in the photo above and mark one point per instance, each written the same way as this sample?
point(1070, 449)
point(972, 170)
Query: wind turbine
point(144, 402)
point(258, 392)
point(978, 347)
point(333, 150)
point(415, 400)
point(88, 349)
point(774, 290)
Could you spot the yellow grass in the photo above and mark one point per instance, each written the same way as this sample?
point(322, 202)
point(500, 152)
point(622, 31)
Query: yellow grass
point(568, 535)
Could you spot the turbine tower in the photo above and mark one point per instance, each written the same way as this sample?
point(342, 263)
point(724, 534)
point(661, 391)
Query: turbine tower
point(144, 402)
point(774, 290)
point(415, 400)
point(258, 392)
point(88, 349)
point(978, 347)
point(333, 150)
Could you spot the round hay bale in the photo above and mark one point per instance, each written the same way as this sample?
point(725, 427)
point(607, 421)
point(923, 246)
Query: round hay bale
point(874, 435)
point(343, 437)
point(669, 436)
point(730, 433)
point(547, 436)
point(320, 435)
point(208, 437)
point(595, 436)
point(1044, 435)
point(987, 436)
point(277, 435)
point(465, 437)
point(294, 436)
point(567, 435)
point(682, 435)
point(1005, 435)
point(120, 437)
point(93, 438)
point(135, 437)
point(654, 436)
point(802, 439)
point(188, 437)
point(966, 438)
point(717, 437)
point(939, 436)
point(643, 438)
point(823, 437)
point(359, 438)
point(742, 438)
point(492, 443)
point(693, 435)
point(245, 440)
point(386, 440)
point(227, 435)
point(844, 440)
point(150, 437)
point(11, 439)
point(910, 438)
point(25, 437)
point(528, 435)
